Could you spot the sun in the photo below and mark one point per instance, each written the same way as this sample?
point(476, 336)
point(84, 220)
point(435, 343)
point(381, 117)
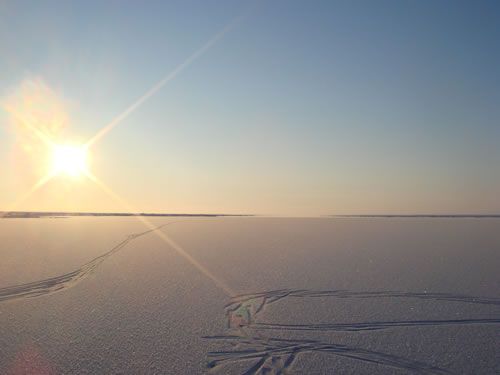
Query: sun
point(69, 160)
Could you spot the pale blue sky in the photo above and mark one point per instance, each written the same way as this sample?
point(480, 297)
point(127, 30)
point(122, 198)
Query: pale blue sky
point(302, 108)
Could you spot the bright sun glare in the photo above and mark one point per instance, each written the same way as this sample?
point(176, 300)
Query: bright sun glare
point(69, 160)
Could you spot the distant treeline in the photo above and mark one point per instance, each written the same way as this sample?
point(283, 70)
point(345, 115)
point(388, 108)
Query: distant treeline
point(424, 216)
point(34, 214)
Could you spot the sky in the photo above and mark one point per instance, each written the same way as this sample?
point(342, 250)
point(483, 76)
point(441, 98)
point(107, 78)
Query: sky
point(297, 108)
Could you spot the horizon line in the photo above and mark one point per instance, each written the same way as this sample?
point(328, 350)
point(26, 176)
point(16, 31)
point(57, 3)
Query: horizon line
point(35, 214)
point(419, 215)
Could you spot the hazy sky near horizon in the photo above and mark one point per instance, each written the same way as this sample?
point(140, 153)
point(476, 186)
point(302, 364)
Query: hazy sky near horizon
point(301, 108)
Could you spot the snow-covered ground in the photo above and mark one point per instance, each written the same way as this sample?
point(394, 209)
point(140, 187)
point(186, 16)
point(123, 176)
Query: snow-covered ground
point(104, 295)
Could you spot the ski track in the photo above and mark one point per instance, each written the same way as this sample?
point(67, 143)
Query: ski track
point(67, 280)
point(274, 355)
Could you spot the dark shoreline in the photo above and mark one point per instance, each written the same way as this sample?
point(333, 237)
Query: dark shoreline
point(425, 216)
point(35, 214)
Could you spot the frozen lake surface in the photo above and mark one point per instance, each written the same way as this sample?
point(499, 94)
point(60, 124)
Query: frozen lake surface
point(249, 295)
